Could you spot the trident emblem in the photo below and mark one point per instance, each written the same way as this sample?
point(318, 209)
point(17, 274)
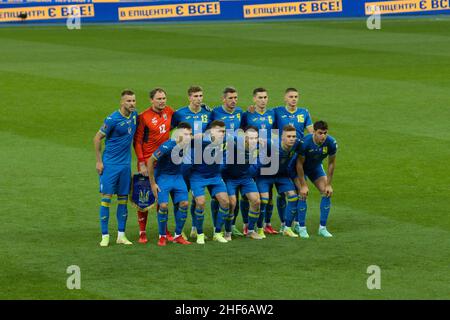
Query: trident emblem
point(144, 196)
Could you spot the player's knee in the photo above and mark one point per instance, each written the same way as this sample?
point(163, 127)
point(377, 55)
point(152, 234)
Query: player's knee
point(255, 203)
point(164, 206)
point(183, 204)
point(225, 203)
point(200, 203)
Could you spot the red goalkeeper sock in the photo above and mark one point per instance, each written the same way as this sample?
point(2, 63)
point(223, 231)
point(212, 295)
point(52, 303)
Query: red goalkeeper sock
point(142, 219)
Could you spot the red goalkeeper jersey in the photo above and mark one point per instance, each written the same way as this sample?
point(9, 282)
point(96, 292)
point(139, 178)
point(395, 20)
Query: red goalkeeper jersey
point(153, 129)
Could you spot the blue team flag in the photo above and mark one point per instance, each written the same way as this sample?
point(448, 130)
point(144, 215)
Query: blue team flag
point(141, 193)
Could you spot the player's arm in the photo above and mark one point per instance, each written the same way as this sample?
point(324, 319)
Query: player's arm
point(138, 145)
point(174, 122)
point(300, 181)
point(309, 123)
point(243, 120)
point(331, 167)
point(151, 176)
point(99, 136)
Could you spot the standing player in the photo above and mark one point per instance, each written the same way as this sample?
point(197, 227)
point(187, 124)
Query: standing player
point(198, 116)
point(238, 173)
point(231, 115)
point(312, 150)
point(208, 156)
point(285, 154)
point(113, 166)
point(263, 119)
point(196, 113)
point(153, 129)
point(290, 114)
point(169, 178)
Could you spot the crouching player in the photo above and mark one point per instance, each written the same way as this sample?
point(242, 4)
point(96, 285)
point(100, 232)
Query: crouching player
point(167, 177)
point(208, 156)
point(312, 150)
point(238, 174)
point(284, 154)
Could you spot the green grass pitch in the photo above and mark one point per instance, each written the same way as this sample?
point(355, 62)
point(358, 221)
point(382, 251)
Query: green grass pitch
point(384, 93)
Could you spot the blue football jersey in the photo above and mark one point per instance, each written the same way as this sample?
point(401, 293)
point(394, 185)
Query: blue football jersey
point(207, 160)
point(285, 158)
point(300, 119)
point(119, 131)
point(165, 164)
point(262, 121)
point(198, 121)
point(314, 153)
point(241, 162)
point(232, 120)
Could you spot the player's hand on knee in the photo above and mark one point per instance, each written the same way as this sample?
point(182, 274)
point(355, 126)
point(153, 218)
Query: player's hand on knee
point(328, 191)
point(99, 167)
point(303, 192)
point(155, 190)
point(143, 169)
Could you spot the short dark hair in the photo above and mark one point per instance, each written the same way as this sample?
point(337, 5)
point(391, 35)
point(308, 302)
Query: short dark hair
point(320, 125)
point(257, 90)
point(156, 90)
point(193, 89)
point(184, 125)
point(253, 128)
point(217, 123)
point(228, 90)
point(289, 127)
point(127, 92)
point(290, 89)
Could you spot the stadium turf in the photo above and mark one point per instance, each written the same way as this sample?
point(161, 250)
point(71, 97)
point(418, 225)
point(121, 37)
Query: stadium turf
point(384, 93)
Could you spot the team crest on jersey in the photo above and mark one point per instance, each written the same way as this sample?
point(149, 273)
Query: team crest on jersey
point(129, 130)
point(325, 150)
point(165, 116)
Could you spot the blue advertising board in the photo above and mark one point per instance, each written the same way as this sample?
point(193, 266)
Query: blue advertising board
point(58, 11)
